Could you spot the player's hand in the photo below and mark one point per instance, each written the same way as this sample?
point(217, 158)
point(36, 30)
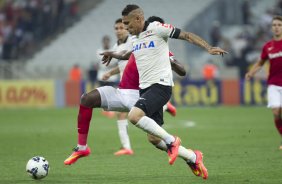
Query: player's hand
point(217, 51)
point(248, 76)
point(106, 76)
point(107, 57)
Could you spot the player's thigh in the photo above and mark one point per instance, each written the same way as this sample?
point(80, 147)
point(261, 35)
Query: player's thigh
point(111, 99)
point(274, 96)
point(158, 117)
point(129, 97)
point(153, 99)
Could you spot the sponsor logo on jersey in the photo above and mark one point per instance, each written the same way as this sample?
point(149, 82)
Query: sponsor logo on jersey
point(275, 55)
point(144, 45)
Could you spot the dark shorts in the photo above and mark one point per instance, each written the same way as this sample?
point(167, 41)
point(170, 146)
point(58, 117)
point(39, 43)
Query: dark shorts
point(152, 100)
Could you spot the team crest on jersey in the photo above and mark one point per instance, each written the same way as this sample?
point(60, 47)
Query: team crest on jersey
point(144, 45)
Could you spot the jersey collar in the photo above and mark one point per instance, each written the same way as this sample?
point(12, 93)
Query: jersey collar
point(146, 25)
point(118, 43)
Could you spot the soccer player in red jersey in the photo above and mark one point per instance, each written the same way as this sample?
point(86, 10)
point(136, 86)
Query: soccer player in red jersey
point(272, 52)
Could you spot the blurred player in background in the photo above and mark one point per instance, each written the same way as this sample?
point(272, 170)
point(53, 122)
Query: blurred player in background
point(272, 52)
point(106, 46)
point(75, 73)
point(102, 69)
point(124, 42)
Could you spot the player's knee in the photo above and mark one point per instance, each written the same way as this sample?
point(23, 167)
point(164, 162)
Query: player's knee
point(91, 99)
point(83, 98)
point(135, 115)
point(133, 118)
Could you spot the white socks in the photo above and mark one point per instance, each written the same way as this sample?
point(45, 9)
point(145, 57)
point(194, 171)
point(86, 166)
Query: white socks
point(187, 154)
point(81, 147)
point(151, 127)
point(123, 134)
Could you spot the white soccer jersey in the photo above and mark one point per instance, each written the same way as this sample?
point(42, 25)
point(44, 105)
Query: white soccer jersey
point(151, 50)
point(127, 45)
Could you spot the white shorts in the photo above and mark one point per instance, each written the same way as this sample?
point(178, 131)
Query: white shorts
point(274, 96)
point(121, 100)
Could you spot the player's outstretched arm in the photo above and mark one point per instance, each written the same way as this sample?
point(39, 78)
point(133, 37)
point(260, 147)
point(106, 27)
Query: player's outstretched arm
point(108, 55)
point(177, 67)
point(255, 68)
point(197, 40)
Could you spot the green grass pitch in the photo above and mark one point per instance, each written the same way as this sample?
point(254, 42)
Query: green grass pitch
point(240, 145)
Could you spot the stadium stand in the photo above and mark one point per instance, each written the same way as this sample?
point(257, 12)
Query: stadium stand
point(79, 43)
point(234, 33)
point(28, 25)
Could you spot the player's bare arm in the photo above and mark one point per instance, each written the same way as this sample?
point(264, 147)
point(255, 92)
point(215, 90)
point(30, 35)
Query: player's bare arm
point(110, 73)
point(177, 67)
point(196, 40)
point(108, 55)
point(257, 66)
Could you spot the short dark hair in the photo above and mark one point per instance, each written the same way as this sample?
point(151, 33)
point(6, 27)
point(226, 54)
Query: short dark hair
point(118, 21)
point(277, 17)
point(156, 18)
point(129, 8)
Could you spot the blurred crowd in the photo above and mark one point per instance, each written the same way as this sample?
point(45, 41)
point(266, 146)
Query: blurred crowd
point(245, 46)
point(25, 24)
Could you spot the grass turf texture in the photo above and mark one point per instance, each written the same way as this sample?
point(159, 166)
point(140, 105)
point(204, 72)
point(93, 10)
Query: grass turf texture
point(240, 145)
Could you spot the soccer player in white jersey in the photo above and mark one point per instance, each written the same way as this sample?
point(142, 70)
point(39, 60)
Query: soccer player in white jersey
point(109, 98)
point(188, 155)
point(130, 80)
point(155, 77)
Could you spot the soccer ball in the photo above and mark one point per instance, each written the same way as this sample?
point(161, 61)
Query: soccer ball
point(37, 167)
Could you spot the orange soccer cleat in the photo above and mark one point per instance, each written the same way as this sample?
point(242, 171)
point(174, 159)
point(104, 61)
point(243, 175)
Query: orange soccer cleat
point(124, 151)
point(198, 167)
point(172, 150)
point(76, 155)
